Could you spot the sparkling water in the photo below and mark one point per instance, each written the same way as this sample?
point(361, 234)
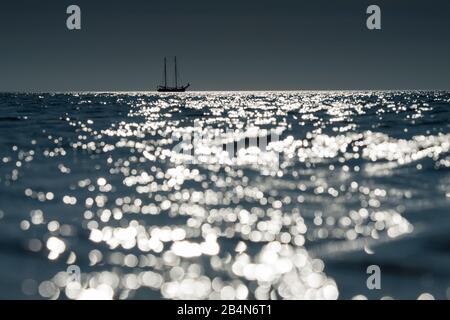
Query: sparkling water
point(116, 187)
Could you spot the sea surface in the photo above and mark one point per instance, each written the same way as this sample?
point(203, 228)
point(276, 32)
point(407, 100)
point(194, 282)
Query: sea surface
point(225, 195)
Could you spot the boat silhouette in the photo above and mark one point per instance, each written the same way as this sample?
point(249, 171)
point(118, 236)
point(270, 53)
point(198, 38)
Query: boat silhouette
point(176, 88)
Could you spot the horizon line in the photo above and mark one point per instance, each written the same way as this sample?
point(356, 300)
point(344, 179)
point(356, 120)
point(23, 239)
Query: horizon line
point(212, 91)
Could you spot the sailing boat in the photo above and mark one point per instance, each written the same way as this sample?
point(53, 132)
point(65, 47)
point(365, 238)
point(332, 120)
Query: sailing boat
point(176, 88)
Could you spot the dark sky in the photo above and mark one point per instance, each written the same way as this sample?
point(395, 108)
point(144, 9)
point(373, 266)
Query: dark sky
point(225, 45)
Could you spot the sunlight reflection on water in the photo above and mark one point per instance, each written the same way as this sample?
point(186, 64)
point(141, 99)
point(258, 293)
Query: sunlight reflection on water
point(105, 183)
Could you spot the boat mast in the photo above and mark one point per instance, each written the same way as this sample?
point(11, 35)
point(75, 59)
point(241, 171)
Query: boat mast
point(165, 73)
point(176, 79)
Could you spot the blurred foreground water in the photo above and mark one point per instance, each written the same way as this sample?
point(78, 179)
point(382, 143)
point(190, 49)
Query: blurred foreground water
point(117, 187)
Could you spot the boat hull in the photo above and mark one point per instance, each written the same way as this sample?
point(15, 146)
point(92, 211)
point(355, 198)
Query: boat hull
point(171, 89)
